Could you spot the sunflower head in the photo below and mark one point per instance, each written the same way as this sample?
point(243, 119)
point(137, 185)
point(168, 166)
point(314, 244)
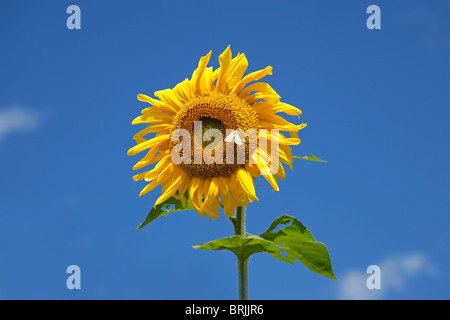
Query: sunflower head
point(215, 133)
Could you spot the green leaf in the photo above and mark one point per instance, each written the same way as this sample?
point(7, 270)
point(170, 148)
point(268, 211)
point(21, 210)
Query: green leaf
point(159, 210)
point(310, 157)
point(293, 242)
point(299, 244)
point(241, 247)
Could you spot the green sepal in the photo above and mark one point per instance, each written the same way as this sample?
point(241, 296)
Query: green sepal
point(162, 209)
point(310, 157)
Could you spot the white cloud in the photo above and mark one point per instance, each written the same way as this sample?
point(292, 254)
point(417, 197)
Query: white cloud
point(352, 286)
point(17, 119)
point(396, 271)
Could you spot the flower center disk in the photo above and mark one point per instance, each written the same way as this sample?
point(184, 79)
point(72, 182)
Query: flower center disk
point(223, 112)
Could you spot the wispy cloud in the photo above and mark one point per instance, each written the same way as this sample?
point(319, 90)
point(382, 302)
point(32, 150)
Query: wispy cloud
point(396, 271)
point(17, 119)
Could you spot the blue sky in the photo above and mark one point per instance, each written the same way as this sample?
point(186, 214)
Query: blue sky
point(377, 107)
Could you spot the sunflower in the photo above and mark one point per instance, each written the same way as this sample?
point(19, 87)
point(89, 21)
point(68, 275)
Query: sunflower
point(222, 99)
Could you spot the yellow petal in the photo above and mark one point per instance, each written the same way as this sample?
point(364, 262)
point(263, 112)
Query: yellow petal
point(198, 73)
point(202, 190)
point(169, 97)
point(252, 169)
point(254, 76)
point(183, 90)
point(155, 118)
point(206, 83)
point(224, 61)
point(193, 191)
point(211, 203)
point(166, 173)
point(246, 181)
point(271, 98)
point(149, 188)
point(205, 190)
point(237, 69)
point(151, 157)
point(184, 188)
point(139, 176)
point(261, 87)
point(162, 158)
point(148, 144)
point(269, 108)
point(272, 136)
point(180, 178)
point(239, 196)
point(157, 104)
point(225, 195)
point(152, 174)
point(288, 109)
point(160, 127)
point(264, 168)
point(272, 123)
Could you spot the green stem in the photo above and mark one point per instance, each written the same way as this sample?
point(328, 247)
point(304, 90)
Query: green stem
point(239, 229)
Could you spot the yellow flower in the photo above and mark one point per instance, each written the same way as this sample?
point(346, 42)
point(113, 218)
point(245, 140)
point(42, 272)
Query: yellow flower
point(224, 100)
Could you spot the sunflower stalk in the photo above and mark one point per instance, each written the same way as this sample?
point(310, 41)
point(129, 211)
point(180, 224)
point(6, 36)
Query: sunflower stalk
point(239, 229)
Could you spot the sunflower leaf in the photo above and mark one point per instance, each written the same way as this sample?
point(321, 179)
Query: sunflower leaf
point(310, 157)
point(293, 242)
point(298, 243)
point(241, 247)
point(170, 205)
